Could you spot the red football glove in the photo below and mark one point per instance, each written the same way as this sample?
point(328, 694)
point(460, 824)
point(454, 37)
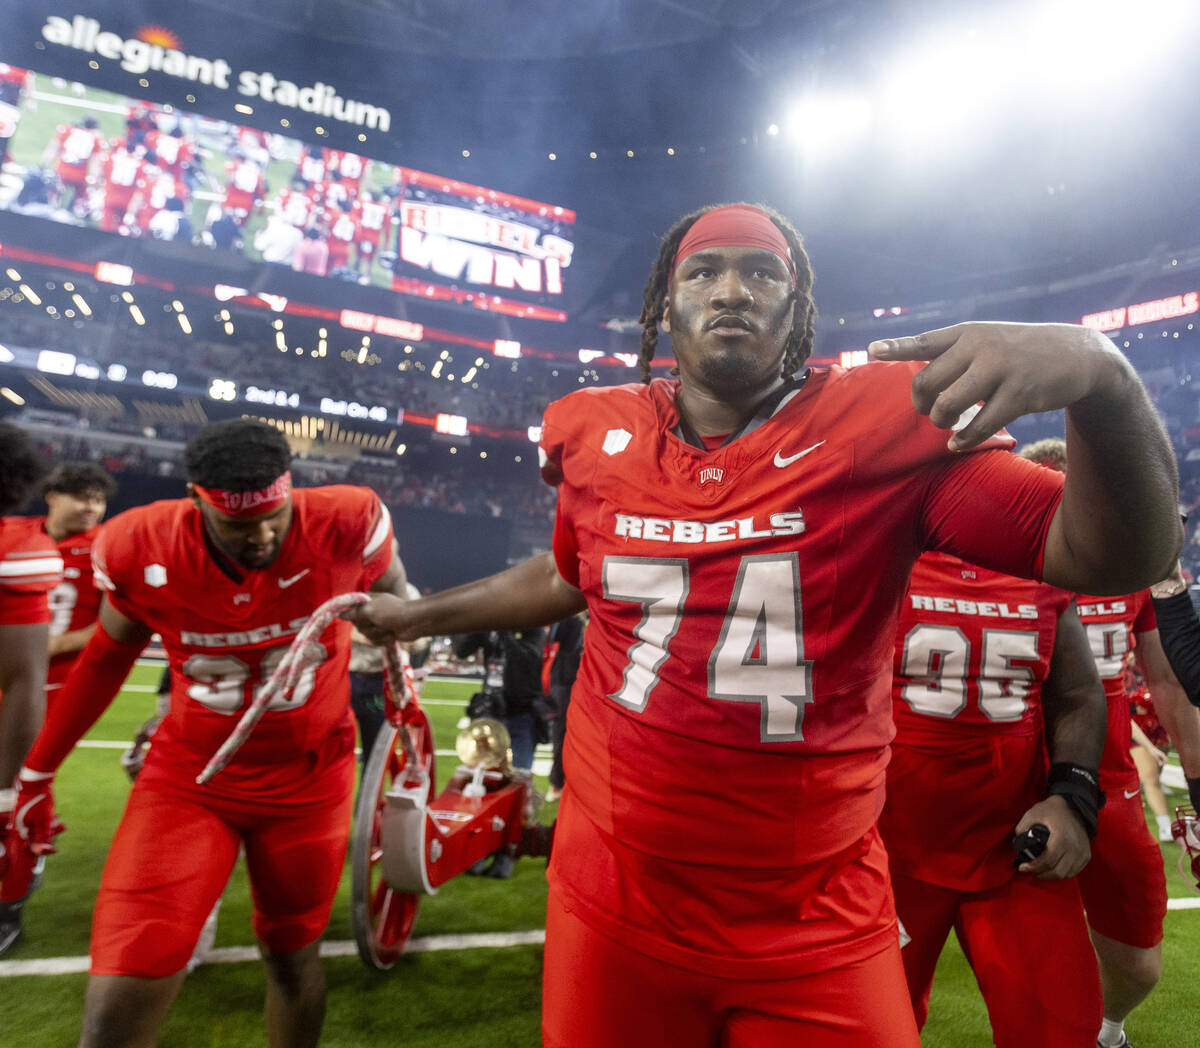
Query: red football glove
point(1186, 831)
point(33, 816)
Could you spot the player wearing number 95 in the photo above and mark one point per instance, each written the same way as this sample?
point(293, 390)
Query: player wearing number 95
point(992, 675)
point(227, 577)
point(741, 538)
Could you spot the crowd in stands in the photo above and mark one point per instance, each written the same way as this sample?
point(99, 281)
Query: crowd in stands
point(504, 399)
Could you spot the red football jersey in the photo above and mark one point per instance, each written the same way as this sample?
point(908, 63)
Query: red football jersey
point(972, 651)
point(76, 146)
point(30, 567)
point(734, 698)
point(74, 602)
point(173, 151)
point(245, 186)
point(1112, 625)
point(224, 636)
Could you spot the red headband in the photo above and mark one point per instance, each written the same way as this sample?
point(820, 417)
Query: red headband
point(248, 503)
point(736, 225)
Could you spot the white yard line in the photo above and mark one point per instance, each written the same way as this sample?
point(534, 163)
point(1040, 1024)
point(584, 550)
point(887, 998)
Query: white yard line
point(339, 948)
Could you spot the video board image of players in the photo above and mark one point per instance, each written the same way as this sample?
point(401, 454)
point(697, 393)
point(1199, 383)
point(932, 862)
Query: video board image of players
point(87, 157)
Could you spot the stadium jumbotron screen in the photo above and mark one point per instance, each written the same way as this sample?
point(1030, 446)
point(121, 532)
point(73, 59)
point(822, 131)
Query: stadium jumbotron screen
point(90, 158)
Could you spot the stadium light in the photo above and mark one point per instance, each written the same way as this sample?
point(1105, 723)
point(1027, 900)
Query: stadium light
point(825, 124)
point(55, 363)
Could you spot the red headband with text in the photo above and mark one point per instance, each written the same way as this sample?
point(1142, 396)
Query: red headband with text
point(736, 225)
point(248, 503)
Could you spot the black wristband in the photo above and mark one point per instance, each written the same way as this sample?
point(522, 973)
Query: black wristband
point(1193, 786)
point(1080, 788)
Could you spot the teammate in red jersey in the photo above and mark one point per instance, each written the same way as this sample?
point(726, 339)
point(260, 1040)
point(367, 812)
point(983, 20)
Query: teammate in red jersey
point(75, 149)
point(124, 174)
point(227, 577)
point(245, 187)
point(373, 219)
point(30, 567)
point(741, 539)
point(980, 658)
point(1124, 888)
point(77, 495)
point(342, 230)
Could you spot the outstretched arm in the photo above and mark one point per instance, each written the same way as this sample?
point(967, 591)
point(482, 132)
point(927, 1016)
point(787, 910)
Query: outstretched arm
point(1117, 528)
point(530, 594)
point(1076, 717)
point(93, 683)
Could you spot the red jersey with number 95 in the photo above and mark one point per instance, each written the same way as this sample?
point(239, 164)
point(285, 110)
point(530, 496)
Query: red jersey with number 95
point(973, 650)
point(733, 705)
point(225, 631)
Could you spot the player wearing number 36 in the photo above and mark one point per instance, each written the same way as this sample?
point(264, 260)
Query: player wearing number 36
point(227, 577)
point(741, 538)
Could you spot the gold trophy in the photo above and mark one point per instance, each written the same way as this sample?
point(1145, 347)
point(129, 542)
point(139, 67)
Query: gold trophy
point(484, 745)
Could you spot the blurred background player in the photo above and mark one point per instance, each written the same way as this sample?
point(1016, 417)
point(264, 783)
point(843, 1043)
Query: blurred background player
point(77, 495)
point(1124, 888)
point(984, 663)
point(565, 649)
point(227, 577)
point(30, 567)
point(75, 149)
point(1150, 743)
point(742, 539)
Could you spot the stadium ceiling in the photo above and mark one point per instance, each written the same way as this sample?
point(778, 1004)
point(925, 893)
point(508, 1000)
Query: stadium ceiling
point(523, 29)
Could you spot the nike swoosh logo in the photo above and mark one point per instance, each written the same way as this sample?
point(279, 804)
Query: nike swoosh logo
point(285, 583)
point(1129, 796)
point(780, 461)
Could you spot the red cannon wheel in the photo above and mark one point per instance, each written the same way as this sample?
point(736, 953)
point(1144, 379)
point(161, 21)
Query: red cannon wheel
point(383, 918)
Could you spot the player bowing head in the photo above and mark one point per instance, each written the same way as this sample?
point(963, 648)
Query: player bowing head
point(239, 478)
point(739, 274)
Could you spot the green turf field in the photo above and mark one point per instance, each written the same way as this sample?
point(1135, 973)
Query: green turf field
point(57, 102)
point(483, 997)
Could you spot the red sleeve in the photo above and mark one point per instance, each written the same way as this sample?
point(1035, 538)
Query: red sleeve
point(993, 508)
point(30, 567)
point(1146, 620)
point(377, 545)
point(106, 568)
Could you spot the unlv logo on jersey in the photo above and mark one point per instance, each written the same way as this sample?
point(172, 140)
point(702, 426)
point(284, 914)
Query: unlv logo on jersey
point(712, 473)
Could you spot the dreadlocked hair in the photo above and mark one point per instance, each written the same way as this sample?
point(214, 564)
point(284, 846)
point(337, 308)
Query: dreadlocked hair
point(80, 478)
point(237, 455)
point(22, 470)
point(654, 295)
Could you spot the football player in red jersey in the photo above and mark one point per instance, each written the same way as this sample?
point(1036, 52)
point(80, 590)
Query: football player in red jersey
point(982, 662)
point(30, 567)
point(1124, 887)
point(76, 148)
point(77, 495)
point(741, 538)
point(227, 577)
